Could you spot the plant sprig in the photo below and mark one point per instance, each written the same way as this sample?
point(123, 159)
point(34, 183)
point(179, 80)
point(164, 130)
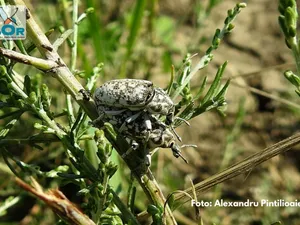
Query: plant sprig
point(34, 97)
point(204, 61)
point(215, 96)
point(288, 19)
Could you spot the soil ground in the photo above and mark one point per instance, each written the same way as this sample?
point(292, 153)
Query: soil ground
point(256, 46)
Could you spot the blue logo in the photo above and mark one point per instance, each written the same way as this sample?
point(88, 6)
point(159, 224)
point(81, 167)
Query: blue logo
point(13, 22)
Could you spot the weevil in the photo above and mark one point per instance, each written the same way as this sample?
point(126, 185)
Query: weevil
point(133, 94)
point(144, 129)
point(136, 95)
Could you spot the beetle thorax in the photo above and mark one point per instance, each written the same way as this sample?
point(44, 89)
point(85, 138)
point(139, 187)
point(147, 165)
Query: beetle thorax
point(161, 103)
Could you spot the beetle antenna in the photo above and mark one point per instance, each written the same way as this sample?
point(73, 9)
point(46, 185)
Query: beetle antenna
point(183, 120)
point(193, 146)
point(184, 159)
point(174, 132)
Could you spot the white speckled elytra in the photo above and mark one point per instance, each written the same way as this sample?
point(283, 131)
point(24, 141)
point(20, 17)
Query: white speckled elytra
point(135, 95)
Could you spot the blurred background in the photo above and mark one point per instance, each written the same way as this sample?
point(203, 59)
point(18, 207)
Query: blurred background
point(143, 39)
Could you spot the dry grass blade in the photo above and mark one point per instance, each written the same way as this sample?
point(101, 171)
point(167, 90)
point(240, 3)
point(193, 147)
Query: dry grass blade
point(266, 94)
point(244, 166)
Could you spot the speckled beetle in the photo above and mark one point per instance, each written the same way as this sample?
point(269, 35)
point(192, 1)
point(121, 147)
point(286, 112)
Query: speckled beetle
point(146, 130)
point(135, 95)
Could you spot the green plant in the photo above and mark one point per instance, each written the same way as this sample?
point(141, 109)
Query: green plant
point(89, 167)
point(288, 22)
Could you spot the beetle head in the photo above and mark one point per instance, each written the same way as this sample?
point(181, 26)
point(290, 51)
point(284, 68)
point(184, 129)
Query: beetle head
point(161, 103)
point(165, 139)
point(176, 151)
point(160, 138)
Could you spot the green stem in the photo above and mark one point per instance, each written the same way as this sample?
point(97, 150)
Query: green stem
point(295, 50)
point(41, 64)
point(200, 65)
point(123, 208)
point(102, 200)
point(8, 204)
point(73, 87)
point(75, 35)
point(35, 140)
point(73, 61)
point(70, 110)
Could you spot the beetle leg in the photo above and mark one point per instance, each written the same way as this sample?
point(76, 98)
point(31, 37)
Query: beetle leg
point(133, 117)
point(114, 112)
point(148, 123)
point(148, 159)
point(181, 119)
point(174, 132)
point(134, 146)
point(163, 125)
point(160, 123)
point(184, 146)
point(96, 121)
point(129, 120)
point(147, 136)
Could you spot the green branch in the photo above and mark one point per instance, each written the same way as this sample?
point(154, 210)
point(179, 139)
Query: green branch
point(71, 84)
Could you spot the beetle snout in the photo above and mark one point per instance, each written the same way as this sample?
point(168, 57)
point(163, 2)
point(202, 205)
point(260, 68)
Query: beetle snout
point(175, 149)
